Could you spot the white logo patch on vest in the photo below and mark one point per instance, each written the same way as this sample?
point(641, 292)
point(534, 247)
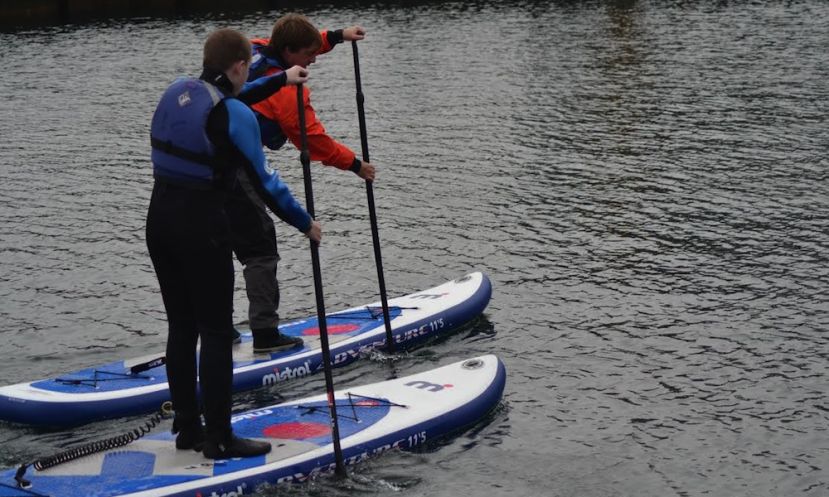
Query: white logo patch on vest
point(184, 99)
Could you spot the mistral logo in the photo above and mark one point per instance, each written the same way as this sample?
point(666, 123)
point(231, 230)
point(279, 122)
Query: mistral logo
point(237, 492)
point(288, 373)
point(425, 385)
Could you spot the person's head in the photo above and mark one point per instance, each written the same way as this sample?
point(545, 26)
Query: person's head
point(295, 40)
point(228, 51)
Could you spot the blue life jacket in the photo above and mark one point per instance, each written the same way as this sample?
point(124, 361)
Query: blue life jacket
point(181, 150)
point(260, 62)
point(272, 136)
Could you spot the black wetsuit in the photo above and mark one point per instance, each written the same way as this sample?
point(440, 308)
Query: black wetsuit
point(189, 240)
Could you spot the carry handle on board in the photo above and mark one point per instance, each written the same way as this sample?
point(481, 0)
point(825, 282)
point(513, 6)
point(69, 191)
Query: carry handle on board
point(146, 366)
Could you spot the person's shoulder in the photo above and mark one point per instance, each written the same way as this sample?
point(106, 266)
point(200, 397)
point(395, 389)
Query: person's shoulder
point(239, 115)
point(238, 109)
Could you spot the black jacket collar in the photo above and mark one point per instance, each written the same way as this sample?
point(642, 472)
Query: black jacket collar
point(218, 79)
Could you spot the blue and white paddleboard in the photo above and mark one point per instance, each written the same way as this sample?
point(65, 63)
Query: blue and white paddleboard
point(112, 390)
point(396, 414)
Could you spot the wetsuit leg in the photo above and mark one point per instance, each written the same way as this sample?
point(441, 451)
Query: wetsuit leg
point(254, 242)
point(182, 334)
point(189, 241)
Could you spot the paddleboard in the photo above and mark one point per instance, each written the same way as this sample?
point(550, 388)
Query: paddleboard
point(398, 414)
point(116, 389)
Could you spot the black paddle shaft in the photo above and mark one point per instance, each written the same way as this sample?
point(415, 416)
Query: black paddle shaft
point(305, 158)
point(372, 212)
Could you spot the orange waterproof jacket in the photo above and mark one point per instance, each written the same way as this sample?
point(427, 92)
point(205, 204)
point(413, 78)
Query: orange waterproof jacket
point(281, 108)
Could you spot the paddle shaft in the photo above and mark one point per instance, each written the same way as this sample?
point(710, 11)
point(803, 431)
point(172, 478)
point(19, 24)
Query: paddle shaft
point(375, 234)
point(305, 158)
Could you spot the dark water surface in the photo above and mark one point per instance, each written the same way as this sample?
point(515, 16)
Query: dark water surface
point(644, 182)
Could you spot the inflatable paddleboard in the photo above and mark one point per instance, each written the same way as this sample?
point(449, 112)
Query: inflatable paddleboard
point(398, 414)
point(140, 385)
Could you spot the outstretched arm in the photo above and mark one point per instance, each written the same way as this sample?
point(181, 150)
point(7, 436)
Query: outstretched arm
point(243, 133)
point(330, 39)
point(262, 88)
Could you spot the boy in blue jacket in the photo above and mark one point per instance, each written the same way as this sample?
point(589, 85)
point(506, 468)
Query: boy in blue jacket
point(201, 134)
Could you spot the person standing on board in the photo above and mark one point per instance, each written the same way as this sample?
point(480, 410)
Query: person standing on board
point(201, 136)
point(294, 41)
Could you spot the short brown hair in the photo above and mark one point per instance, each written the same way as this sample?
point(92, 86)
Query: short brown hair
point(224, 48)
point(294, 32)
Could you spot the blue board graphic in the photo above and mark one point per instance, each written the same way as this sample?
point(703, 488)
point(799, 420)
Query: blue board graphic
point(398, 414)
point(111, 390)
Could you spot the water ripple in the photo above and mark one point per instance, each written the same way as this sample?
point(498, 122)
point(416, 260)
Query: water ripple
point(644, 182)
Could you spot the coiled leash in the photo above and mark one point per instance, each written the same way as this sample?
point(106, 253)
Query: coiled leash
point(166, 411)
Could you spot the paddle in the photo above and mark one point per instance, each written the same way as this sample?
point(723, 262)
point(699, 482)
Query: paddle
point(305, 158)
point(375, 235)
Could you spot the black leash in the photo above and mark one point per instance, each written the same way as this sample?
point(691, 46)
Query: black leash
point(92, 447)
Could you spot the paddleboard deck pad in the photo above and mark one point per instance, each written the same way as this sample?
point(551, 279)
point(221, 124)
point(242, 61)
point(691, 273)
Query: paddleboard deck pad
point(113, 389)
point(398, 414)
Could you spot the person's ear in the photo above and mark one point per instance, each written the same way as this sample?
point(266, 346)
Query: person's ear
point(239, 66)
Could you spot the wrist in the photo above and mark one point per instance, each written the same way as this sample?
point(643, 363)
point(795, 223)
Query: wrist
point(307, 224)
point(356, 165)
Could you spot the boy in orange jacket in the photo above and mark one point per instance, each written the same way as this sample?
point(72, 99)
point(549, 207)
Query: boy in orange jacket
point(294, 41)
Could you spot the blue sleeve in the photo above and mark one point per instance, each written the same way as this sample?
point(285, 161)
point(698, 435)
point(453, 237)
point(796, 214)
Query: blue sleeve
point(262, 88)
point(243, 131)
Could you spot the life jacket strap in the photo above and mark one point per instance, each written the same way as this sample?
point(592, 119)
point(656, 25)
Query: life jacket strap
point(182, 153)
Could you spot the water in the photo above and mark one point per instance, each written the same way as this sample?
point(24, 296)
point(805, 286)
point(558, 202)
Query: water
point(644, 182)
